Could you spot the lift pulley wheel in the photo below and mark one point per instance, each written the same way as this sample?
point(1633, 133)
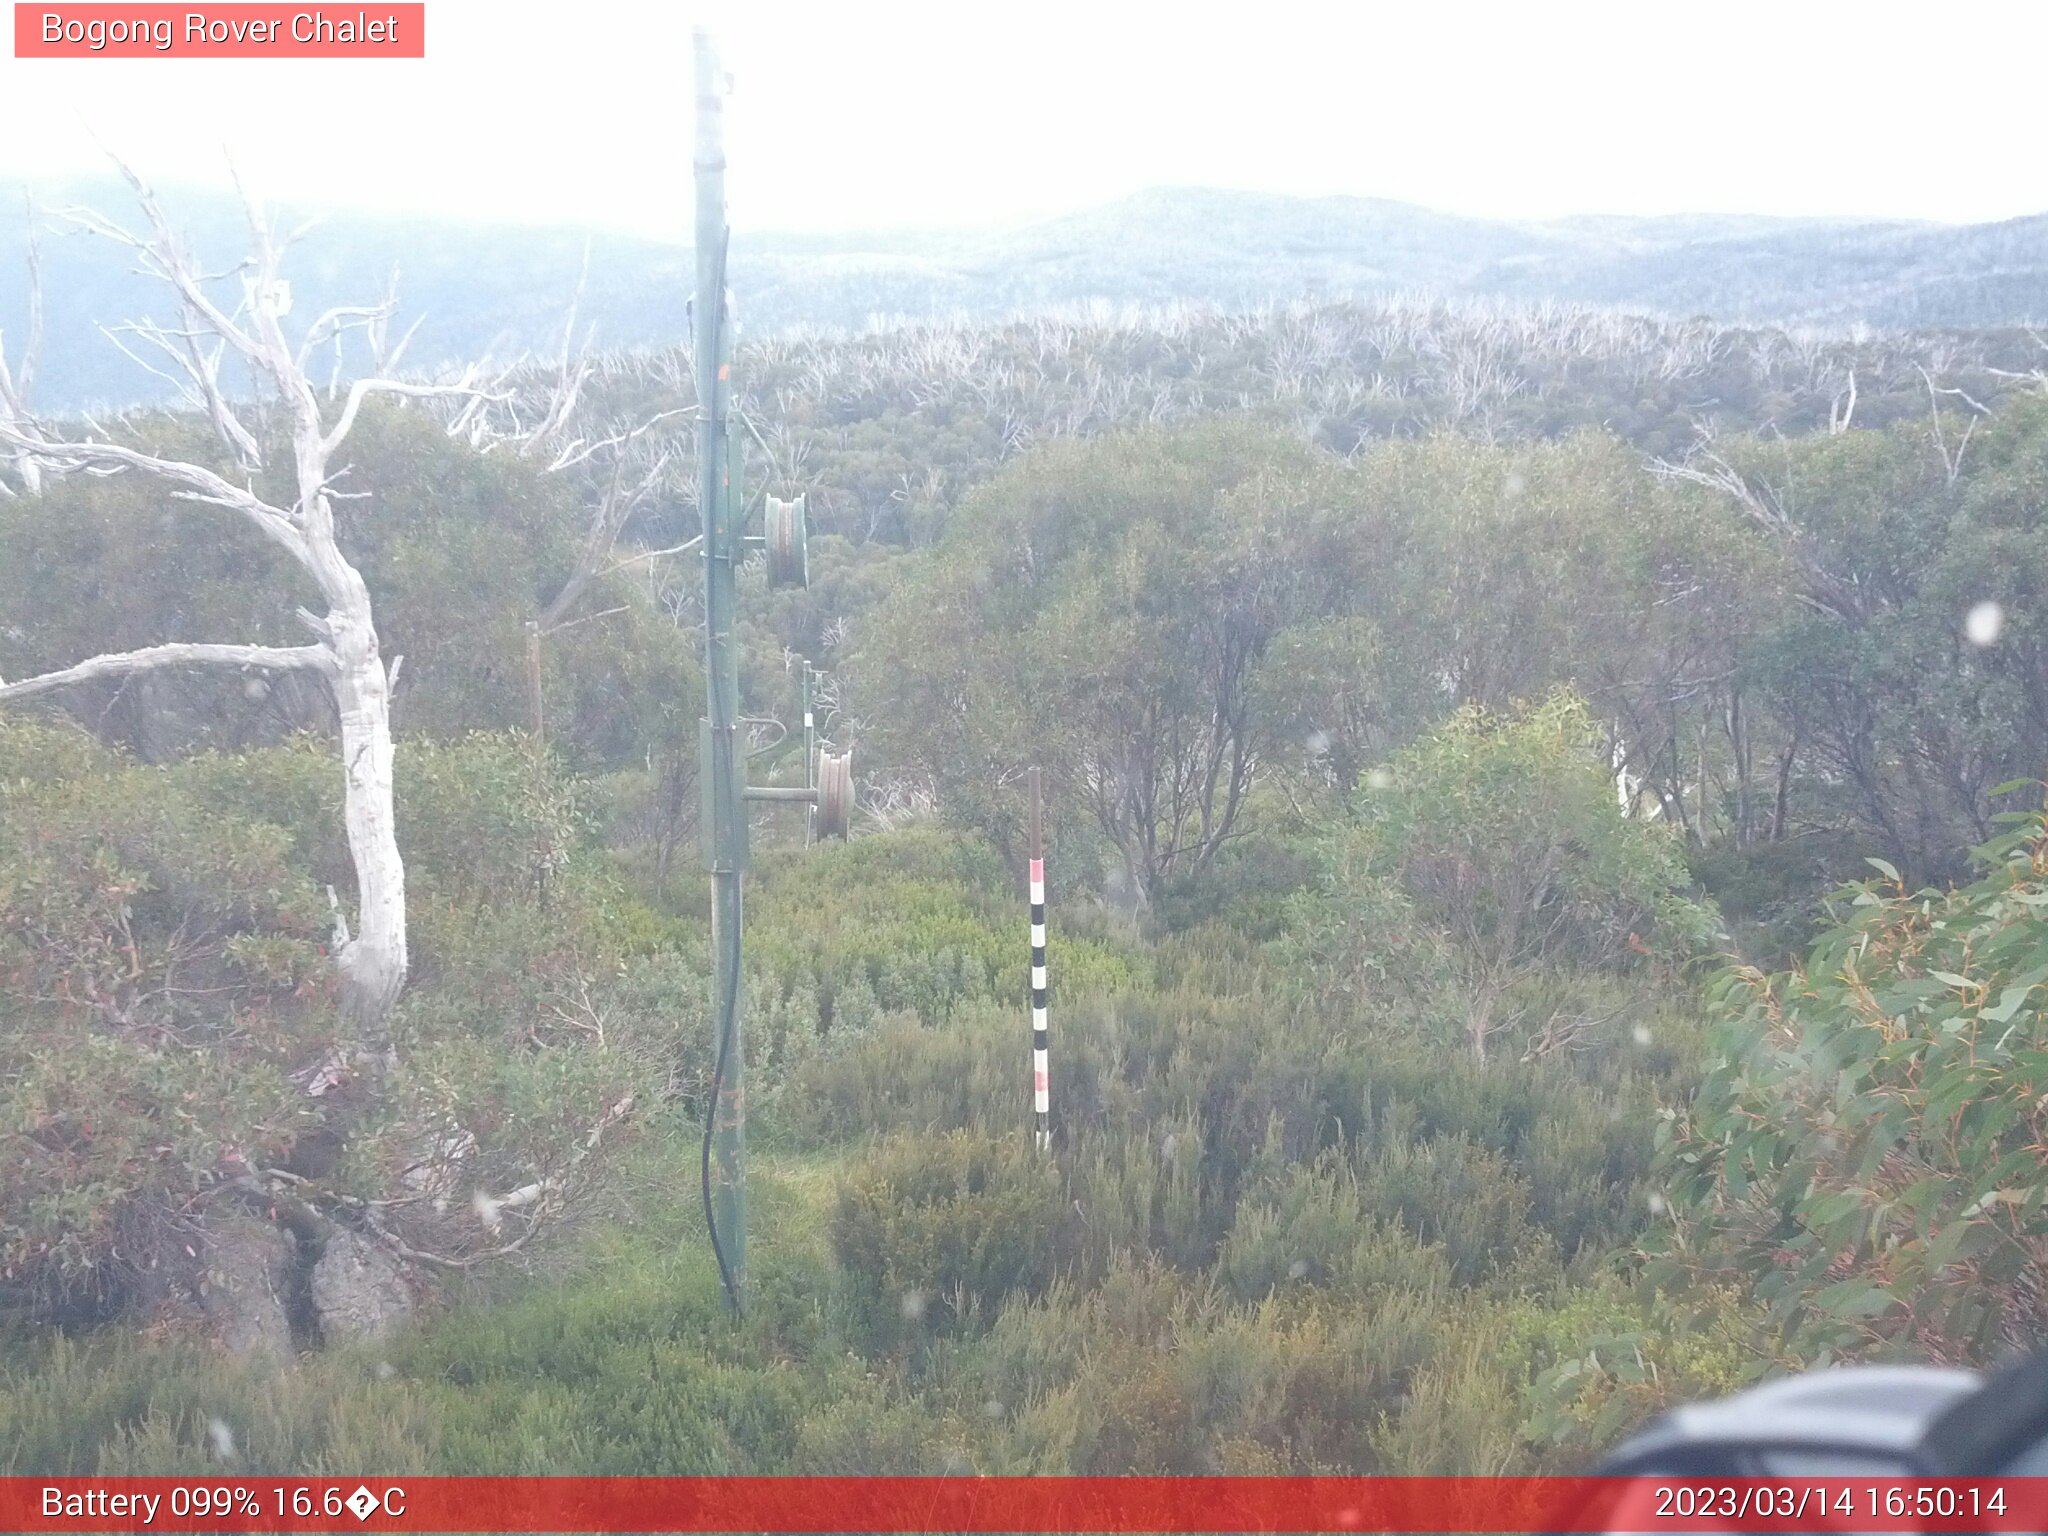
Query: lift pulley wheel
point(789, 562)
point(835, 794)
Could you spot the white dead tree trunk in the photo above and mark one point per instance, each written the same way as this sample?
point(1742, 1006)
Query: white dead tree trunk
point(1951, 459)
point(1768, 507)
point(16, 382)
point(344, 652)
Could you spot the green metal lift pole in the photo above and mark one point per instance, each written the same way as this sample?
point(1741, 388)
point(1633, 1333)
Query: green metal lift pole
point(725, 831)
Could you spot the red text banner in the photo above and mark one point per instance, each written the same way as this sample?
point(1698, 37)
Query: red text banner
point(236, 31)
point(974, 1504)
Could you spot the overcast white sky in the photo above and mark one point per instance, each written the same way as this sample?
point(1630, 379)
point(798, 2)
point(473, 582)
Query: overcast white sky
point(892, 114)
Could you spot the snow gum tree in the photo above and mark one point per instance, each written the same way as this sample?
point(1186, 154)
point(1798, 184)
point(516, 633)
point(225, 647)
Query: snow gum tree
point(343, 652)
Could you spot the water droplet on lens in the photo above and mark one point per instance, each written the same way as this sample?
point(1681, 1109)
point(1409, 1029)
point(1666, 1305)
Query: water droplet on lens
point(1984, 623)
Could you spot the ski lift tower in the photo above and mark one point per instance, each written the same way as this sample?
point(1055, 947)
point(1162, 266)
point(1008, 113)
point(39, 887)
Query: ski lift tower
point(828, 776)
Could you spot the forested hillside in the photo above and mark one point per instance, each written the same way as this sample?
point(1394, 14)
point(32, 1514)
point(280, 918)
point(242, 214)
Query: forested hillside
point(502, 290)
point(1518, 953)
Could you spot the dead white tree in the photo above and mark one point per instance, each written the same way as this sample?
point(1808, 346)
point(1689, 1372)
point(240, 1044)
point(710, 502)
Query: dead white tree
point(2036, 376)
point(15, 383)
point(636, 464)
point(1842, 409)
point(1951, 458)
point(1768, 506)
point(344, 650)
point(613, 509)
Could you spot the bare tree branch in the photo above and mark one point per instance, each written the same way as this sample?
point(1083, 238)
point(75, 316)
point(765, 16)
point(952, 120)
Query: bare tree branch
point(157, 658)
point(163, 256)
point(362, 389)
point(339, 321)
point(652, 554)
point(15, 385)
point(201, 484)
point(613, 511)
point(579, 451)
point(1765, 506)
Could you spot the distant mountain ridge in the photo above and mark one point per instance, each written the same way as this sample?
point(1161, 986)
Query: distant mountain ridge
point(504, 290)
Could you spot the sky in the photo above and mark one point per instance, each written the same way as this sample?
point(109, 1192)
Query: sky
point(893, 115)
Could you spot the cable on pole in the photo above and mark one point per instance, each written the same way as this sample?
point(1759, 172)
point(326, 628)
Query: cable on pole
point(725, 1028)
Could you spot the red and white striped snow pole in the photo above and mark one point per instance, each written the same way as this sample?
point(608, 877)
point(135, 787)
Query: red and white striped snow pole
point(1041, 1083)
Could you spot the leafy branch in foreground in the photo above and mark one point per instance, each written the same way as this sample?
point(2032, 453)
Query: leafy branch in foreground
point(1868, 1153)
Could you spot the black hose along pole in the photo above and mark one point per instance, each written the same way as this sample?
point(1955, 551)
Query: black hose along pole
point(725, 829)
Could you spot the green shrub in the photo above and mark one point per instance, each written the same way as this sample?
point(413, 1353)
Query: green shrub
point(1603, 1360)
point(1501, 833)
point(1464, 1197)
point(162, 947)
point(1155, 1371)
point(165, 971)
point(934, 1232)
point(1316, 1229)
point(914, 921)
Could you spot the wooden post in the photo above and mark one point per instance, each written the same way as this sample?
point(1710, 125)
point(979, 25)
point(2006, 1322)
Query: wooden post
point(1041, 1083)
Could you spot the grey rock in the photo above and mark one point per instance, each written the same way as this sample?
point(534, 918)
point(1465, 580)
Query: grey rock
point(359, 1290)
point(248, 1275)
